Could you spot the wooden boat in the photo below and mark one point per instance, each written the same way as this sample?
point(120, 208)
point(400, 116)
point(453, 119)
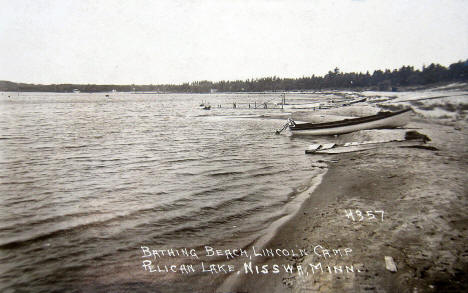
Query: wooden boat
point(381, 120)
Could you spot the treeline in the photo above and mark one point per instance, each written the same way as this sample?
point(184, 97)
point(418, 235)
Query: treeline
point(378, 80)
point(68, 88)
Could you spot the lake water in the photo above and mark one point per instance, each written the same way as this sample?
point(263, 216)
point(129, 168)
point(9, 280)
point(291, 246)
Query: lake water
point(86, 180)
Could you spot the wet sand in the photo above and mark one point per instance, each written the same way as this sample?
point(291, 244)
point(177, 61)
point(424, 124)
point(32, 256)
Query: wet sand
point(424, 229)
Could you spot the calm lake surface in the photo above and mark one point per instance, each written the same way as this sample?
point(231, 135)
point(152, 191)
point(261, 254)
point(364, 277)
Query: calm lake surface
point(86, 180)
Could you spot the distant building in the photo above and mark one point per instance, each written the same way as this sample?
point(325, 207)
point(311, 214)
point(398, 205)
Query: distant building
point(76, 91)
point(213, 91)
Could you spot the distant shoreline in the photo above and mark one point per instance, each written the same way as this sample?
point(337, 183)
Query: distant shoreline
point(381, 80)
point(446, 85)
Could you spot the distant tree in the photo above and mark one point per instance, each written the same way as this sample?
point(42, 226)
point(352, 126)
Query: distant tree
point(459, 70)
point(434, 73)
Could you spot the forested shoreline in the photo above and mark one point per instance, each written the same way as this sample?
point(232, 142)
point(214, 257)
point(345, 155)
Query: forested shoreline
point(384, 80)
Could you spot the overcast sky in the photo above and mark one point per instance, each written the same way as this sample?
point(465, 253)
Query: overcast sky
point(155, 42)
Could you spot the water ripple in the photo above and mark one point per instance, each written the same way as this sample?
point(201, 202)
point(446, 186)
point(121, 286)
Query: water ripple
point(85, 180)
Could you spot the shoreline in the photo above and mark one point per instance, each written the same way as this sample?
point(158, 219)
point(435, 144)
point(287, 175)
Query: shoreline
point(233, 280)
point(423, 228)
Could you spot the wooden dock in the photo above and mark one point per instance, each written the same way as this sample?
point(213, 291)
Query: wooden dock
point(255, 105)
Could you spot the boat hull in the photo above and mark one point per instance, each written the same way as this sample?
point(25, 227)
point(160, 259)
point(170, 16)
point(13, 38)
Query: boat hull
point(391, 121)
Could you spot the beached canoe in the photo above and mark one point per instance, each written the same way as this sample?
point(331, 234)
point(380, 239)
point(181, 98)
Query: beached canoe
point(381, 120)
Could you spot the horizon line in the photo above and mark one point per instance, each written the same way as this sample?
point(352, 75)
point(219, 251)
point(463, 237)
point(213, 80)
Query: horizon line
point(232, 80)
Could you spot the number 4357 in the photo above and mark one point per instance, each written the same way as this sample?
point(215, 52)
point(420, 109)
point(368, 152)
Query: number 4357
point(358, 215)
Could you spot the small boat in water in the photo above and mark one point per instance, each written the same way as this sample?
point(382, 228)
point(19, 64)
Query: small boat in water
point(381, 120)
point(205, 105)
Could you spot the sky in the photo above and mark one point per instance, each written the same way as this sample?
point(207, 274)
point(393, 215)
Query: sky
point(161, 42)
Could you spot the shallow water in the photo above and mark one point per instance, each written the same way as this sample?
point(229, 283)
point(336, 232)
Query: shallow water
point(86, 180)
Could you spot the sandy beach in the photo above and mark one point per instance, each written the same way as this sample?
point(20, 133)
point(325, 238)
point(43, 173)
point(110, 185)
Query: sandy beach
point(408, 204)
